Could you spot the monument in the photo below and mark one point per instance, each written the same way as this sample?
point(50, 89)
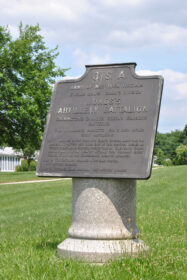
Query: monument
point(100, 131)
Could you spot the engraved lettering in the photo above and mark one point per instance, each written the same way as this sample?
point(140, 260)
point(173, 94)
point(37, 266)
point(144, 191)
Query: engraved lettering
point(108, 76)
point(100, 125)
point(60, 110)
point(97, 76)
point(121, 75)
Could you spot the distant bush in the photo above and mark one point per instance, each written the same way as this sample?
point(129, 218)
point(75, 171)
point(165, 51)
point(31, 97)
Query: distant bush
point(33, 165)
point(167, 162)
point(181, 155)
point(160, 157)
point(23, 167)
point(18, 168)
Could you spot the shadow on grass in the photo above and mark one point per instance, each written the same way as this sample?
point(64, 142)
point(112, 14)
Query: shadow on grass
point(47, 245)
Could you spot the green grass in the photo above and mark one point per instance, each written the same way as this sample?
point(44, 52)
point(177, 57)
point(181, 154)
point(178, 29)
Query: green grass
point(6, 177)
point(34, 219)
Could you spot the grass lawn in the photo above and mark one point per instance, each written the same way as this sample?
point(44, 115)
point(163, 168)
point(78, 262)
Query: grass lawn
point(6, 177)
point(34, 219)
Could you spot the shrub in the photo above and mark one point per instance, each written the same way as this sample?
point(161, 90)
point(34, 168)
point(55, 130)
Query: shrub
point(167, 162)
point(18, 168)
point(33, 165)
point(23, 167)
point(160, 157)
point(181, 155)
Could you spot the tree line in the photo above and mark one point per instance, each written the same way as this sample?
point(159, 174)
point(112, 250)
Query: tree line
point(171, 148)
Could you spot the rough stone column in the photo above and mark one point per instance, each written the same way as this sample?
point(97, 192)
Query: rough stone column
point(103, 221)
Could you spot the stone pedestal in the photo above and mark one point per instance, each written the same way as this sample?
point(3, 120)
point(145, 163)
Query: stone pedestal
point(103, 221)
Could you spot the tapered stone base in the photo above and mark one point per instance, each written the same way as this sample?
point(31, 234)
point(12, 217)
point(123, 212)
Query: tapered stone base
point(99, 251)
point(103, 221)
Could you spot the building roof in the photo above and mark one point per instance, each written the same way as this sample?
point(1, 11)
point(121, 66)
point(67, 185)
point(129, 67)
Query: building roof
point(8, 151)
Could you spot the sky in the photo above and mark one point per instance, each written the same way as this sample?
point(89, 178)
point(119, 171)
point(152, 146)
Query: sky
point(152, 33)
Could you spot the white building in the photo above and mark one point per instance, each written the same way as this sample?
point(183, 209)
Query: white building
point(9, 159)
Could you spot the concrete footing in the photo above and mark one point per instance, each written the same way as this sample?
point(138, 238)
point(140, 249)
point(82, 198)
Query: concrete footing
point(103, 221)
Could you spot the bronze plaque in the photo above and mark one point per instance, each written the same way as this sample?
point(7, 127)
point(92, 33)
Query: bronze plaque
point(102, 125)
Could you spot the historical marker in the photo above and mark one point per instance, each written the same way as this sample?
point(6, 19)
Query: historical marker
point(102, 125)
point(101, 130)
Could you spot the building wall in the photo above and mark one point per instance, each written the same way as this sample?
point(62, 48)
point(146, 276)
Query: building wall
point(9, 163)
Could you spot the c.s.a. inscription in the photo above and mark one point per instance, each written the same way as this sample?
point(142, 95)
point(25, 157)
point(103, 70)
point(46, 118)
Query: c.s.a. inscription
point(102, 124)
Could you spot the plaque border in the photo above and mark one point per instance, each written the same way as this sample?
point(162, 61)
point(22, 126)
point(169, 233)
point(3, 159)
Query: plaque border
point(132, 66)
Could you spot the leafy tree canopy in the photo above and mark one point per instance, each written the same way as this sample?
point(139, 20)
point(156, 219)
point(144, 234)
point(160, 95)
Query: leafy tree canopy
point(169, 142)
point(183, 136)
point(181, 154)
point(160, 157)
point(27, 72)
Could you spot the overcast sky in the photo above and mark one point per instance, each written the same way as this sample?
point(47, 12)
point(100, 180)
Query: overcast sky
point(152, 33)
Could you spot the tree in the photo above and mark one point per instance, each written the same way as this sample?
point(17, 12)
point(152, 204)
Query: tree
point(168, 142)
point(27, 72)
point(181, 154)
point(183, 137)
point(160, 157)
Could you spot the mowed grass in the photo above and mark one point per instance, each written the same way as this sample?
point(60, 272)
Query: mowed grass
point(6, 177)
point(34, 219)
